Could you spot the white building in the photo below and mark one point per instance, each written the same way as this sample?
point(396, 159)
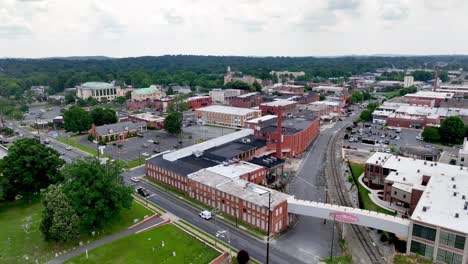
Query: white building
point(226, 115)
point(457, 90)
point(223, 95)
point(408, 81)
point(463, 154)
point(97, 90)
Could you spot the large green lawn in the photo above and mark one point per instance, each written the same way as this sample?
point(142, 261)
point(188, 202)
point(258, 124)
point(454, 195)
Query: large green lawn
point(73, 142)
point(147, 247)
point(22, 242)
point(366, 203)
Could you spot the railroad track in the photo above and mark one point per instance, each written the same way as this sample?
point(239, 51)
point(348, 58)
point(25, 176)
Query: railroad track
point(359, 232)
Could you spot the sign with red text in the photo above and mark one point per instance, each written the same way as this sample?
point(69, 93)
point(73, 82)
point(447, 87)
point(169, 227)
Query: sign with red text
point(344, 217)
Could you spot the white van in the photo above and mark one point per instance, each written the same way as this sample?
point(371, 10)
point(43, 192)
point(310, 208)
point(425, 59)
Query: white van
point(205, 215)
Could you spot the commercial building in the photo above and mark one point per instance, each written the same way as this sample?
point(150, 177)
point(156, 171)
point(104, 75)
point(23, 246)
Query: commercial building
point(297, 133)
point(321, 108)
point(277, 106)
point(196, 102)
point(428, 153)
point(458, 91)
point(287, 89)
point(287, 74)
point(159, 105)
point(436, 196)
point(117, 131)
point(223, 95)
point(247, 100)
point(408, 81)
point(151, 120)
point(151, 93)
point(382, 112)
point(97, 90)
point(307, 98)
point(421, 97)
point(328, 89)
point(226, 115)
point(421, 116)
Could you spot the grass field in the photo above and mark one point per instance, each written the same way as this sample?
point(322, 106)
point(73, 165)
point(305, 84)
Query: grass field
point(366, 203)
point(147, 247)
point(73, 142)
point(133, 163)
point(22, 242)
point(405, 259)
point(390, 95)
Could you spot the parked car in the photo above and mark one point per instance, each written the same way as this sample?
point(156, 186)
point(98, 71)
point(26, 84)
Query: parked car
point(134, 179)
point(145, 154)
point(150, 141)
point(397, 137)
point(68, 148)
point(205, 215)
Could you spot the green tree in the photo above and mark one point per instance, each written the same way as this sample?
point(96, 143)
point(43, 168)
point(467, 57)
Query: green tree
point(431, 134)
point(29, 167)
point(256, 87)
point(69, 99)
point(128, 95)
point(372, 106)
point(24, 108)
point(366, 95)
point(452, 130)
point(103, 116)
point(170, 91)
point(81, 102)
point(356, 97)
point(96, 191)
point(76, 119)
point(91, 101)
point(59, 221)
point(120, 100)
point(237, 85)
point(173, 123)
point(365, 115)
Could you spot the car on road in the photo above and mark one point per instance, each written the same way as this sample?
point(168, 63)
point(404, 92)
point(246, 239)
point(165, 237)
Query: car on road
point(397, 137)
point(150, 141)
point(145, 154)
point(46, 141)
point(419, 137)
point(134, 179)
point(62, 153)
point(142, 192)
point(205, 215)
point(382, 136)
point(68, 148)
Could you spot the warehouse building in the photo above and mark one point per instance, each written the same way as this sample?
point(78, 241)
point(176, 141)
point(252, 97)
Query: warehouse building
point(226, 115)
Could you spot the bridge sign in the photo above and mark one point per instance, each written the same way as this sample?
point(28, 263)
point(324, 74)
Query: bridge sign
point(344, 217)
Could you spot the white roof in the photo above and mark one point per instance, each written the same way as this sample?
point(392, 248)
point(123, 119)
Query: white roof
point(227, 110)
point(247, 95)
point(330, 103)
point(262, 119)
point(430, 94)
point(327, 88)
point(235, 170)
point(407, 173)
point(197, 148)
point(279, 103)
point(148, 117)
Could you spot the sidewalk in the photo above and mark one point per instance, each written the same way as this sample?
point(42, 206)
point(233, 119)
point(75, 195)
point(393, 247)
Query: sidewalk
point(81, 250)
point(384, 204)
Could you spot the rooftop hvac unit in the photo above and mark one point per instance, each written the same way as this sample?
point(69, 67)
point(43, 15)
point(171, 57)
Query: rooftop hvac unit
point(453, 178)
point(419, 170)
point(454, 194)
point(454, 186)
point(456, 215)
point(424, 208)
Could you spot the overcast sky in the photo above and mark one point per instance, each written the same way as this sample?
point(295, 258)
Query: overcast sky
point(122, 28)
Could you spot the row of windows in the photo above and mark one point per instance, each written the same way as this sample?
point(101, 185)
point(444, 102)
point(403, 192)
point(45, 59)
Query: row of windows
point(452, 240)
point(104, 92)
point(422, 249)
point(448, 257)
point(424, 232)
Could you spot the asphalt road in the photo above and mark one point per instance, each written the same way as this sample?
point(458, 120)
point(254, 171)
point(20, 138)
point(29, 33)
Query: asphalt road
point(181, 209)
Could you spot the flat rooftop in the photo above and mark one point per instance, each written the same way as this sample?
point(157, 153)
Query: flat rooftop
point(149, 117)
point(247, 95)
point(438, 196)
point(279, 103)
point(262, 119)
point(227, 110)
point(292, 125)
point(242, 189)
point(235, 170)
point(430, 94)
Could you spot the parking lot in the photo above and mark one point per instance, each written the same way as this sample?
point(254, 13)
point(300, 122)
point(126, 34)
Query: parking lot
point(155, 141)
point(362, 136)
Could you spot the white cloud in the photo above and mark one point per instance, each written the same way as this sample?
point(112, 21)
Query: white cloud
point(244, 27)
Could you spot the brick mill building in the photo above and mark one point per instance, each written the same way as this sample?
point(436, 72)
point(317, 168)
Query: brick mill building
point(247, 100)
point(218, 173)
point(196, 102)
point(117, 131)
point(274, 107)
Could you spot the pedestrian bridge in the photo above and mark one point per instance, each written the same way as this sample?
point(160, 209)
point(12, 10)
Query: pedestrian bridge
point(350, 215)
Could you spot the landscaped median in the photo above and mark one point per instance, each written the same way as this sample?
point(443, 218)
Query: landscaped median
point(366, 203)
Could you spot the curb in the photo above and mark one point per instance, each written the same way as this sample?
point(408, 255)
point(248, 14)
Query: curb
point(153, 226)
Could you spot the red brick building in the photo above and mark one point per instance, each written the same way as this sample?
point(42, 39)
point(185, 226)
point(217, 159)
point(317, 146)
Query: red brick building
point(308, 98)
point(159, 105)
point(247, 100)
point(273, 108)
point(151, 120)
point(429, 96)
point(199, 102)
point(289, 89)
point(117, 131)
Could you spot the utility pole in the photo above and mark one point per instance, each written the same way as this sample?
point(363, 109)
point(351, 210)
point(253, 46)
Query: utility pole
point(38, 133)
point(268, 230)
point(333, 238)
